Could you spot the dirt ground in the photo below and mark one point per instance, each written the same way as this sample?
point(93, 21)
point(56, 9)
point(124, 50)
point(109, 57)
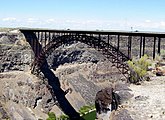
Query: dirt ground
point(148, 102)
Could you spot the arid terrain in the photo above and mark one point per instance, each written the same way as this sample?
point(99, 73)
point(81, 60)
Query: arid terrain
point(24, 96)
point(148, 102)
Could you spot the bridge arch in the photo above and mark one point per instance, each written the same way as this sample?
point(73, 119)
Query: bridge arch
point(110, 52)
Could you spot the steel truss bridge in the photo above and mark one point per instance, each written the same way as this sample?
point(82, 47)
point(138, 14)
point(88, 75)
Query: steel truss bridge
point(116, 46)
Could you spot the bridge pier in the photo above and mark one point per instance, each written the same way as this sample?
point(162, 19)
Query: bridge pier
point(154, 47)
point(143, 45)
point(141, 39)
point(129, 46)
point(159, 43)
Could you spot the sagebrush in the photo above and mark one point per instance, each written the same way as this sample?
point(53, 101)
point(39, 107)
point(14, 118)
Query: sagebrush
point(138, 69)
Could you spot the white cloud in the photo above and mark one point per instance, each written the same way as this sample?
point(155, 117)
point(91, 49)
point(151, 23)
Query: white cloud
point(162, 23)
point(147, 21)
point(50, 20)
point(32, 20)
point(87, 24)
point(9, 19)
point(145, 25)
point(153, 25)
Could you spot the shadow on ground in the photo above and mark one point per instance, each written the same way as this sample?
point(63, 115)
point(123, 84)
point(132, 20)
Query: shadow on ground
point(64, 104)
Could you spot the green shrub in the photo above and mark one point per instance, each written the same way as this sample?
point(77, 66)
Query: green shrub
point(85, 109)
point(52, 116)
point(63, 117)
point(162, 54)
point(82, 111)
point(90, 116)
point(138, 69)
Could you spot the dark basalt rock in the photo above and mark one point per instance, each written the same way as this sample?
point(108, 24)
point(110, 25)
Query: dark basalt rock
point(77, 52)
point(15, 53)
point(105, 98)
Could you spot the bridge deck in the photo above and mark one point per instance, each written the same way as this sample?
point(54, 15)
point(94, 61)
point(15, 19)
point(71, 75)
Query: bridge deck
point(127, 33)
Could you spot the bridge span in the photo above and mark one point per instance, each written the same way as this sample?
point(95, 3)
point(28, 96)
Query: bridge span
point(117, 46)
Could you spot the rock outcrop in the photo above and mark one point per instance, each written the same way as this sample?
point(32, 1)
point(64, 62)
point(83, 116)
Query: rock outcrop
point(105, 102)
point(23, 89)
point(15, 52)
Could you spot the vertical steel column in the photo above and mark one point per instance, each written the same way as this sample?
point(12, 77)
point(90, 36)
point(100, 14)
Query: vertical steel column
point(34, 44)
point(53, 36)
point(159, 41)
point(37, 45)
point(154, 47)
point(90, 41)
point(99, 41)
point(94, 41)
point(107, 49)
point(71, 34)
point(141, 38)
point(62, 35)
point(61, 39)
point(41, 38)
point(108, 41)
point(143, 45)
point(118, 47)
point(79, 36)
point(45, 40)
point(129, 46)
point(29, 39)
point(118, 43)
point(32, 40)
point(58, 35)
point(49, 37)
point(37, 34)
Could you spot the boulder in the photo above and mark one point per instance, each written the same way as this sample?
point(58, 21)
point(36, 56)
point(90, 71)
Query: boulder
point(105, 102)
point(160, 71)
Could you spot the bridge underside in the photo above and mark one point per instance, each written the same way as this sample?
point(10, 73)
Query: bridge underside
point(118, 47)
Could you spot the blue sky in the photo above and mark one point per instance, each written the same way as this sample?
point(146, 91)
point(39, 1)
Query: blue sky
point(144, 15)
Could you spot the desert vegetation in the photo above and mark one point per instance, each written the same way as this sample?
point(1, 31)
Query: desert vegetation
point(138, 69)
point(87, 112)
